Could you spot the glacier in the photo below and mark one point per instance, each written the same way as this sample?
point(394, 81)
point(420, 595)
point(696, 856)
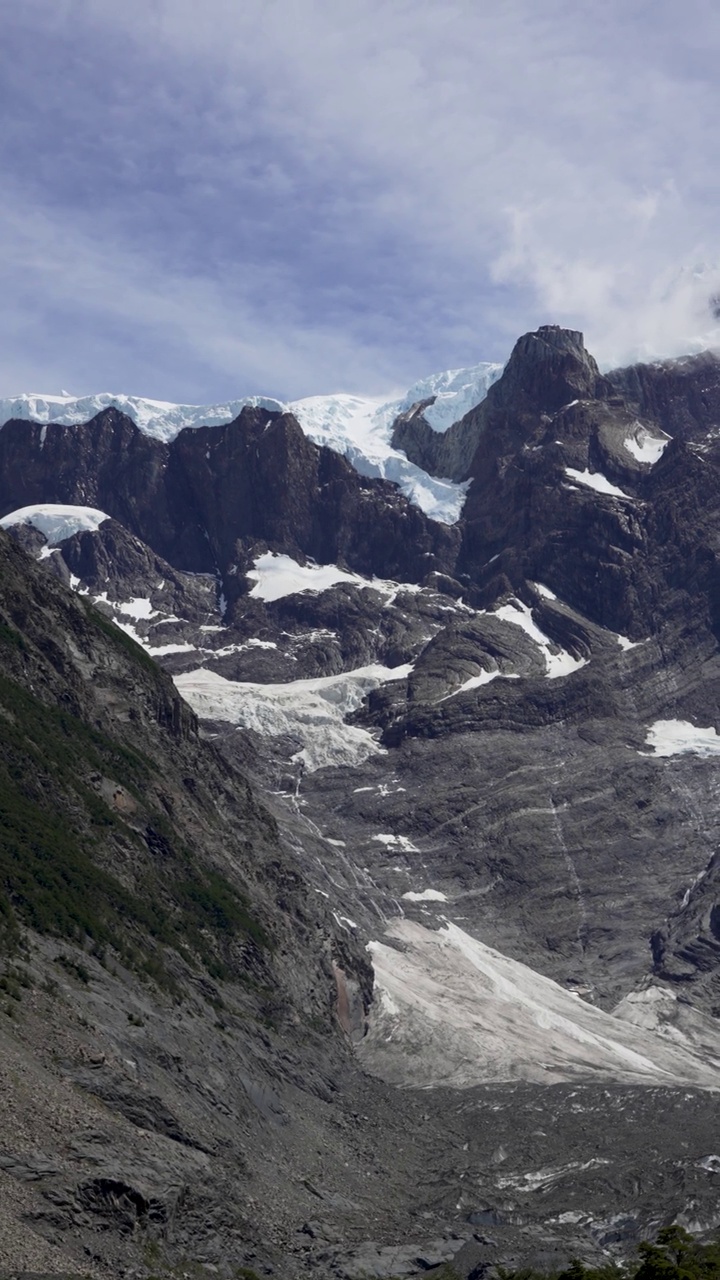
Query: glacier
point(358, 427)
point(312, 711)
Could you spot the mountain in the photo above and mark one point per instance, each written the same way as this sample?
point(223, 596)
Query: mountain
point(358, 428)
point(157, 945)
point(471, 762)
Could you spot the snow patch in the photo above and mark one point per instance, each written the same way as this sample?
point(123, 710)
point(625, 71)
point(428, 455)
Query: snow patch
point(625, 643)
point(309, 711)
point(227, 650)
point(277, 576)
point(473, 682)
point(597, 481)
point(139, 607)
point(160, 651)
point(560, 663)
point(57, 521)
point(680, 737)
point(427, 895)
point(344, 921)
point(402, 843)
point(646, 447)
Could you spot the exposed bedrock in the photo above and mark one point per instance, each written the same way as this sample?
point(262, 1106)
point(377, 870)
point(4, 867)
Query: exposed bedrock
point(201, 499)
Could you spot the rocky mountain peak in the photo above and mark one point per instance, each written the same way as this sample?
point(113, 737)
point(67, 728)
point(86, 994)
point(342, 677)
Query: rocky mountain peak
point(547, 371)
point(547, 368)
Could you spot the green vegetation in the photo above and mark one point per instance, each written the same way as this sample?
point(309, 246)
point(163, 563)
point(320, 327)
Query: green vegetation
point(75, 968)
point(10, 638)
point(13, 981)
point(676, 1255)
point(60, 843)
point(119, 638)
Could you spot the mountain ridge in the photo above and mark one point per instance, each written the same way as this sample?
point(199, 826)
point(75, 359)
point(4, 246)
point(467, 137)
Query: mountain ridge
point(358, 428)
point(488, 749)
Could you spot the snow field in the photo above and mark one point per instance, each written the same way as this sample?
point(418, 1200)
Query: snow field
point(456, 1012)
point(361, 430)
point(427, 895)
point(277, 576)
point(402, 843)
point(160, 419)
point(646, 447)
point(597, 481)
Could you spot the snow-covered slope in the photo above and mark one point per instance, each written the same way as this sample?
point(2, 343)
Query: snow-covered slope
point(157, 418)
point(456, 391)
point(277, 576)
point(452, 1011)
point(357, 427)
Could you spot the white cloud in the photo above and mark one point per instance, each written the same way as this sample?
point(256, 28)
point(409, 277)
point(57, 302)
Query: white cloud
point(368, 183)
point(187, 316)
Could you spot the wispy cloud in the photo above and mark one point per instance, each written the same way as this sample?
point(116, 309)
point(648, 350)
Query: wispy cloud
point(291, 195)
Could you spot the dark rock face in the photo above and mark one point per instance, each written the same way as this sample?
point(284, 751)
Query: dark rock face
point(448, 453)
point(546, 371)
point(682, 394)
point(624, 562)
point(686, 950)
point(201, 501)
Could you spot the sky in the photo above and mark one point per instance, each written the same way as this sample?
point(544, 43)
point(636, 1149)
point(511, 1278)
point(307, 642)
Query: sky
point(294, 197)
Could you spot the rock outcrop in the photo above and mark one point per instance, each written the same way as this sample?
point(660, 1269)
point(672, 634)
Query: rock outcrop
point(202, 500)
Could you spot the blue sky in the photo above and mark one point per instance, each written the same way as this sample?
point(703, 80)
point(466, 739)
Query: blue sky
point(300, 196)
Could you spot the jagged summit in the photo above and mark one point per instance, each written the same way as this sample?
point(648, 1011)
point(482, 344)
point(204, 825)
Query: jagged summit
point(546, 370)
